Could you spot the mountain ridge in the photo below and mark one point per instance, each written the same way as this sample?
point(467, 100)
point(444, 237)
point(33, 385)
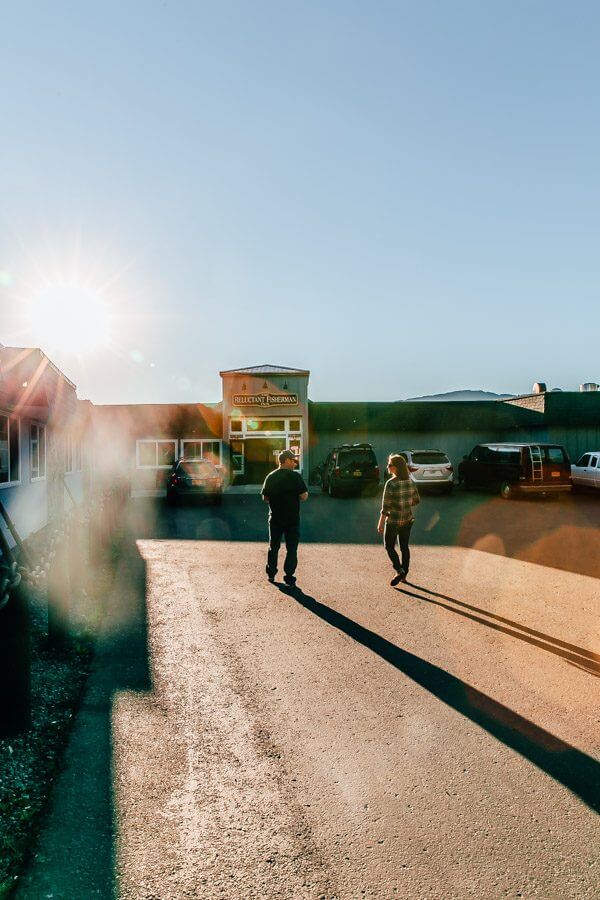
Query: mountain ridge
point(468, 394)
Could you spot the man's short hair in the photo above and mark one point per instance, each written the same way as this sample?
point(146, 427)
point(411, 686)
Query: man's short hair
point(284, 455)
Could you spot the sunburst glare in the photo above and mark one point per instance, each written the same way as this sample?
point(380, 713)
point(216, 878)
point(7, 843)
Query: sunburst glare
point(70, 318)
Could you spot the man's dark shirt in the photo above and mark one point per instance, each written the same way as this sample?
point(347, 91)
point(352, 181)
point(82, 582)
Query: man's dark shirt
point(282, 488)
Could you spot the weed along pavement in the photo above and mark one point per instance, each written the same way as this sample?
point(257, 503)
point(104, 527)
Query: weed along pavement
point(345, 738)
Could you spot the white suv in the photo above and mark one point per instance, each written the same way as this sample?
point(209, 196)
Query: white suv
point(430, 467)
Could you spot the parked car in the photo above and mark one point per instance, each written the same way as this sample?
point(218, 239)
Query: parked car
point(350, 468)
point(586, 471)
point(516, 468)
point(194, 478)
point(430, 468)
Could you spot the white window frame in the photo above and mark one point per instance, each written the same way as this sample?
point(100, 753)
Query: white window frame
point(247, 432)
point(41, 429)
point(11, 423)
point(201, 441)
point(156, 442)
point(288, 433)
point(241, 471)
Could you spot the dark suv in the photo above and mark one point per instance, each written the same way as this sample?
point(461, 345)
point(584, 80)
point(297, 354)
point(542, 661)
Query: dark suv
point(517, 468)
point(350, 468)
point(194, 478)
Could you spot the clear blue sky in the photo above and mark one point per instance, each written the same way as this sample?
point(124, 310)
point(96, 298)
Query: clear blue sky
point(402, 197)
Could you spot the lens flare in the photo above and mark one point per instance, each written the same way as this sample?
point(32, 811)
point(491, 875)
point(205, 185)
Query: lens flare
point(70, 318)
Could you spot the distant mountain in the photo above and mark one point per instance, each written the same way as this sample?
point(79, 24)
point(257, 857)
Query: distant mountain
point(463, 395)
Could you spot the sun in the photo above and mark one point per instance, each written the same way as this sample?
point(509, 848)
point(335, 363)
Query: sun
point(70, 318)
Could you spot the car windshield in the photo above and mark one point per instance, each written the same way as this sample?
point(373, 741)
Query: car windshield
point(198, 467)
point(356, 456)
point(429, 457)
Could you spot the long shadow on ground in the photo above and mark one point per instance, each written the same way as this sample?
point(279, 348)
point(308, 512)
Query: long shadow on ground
point(572, 768)
point(75, 855)
point(577, 656)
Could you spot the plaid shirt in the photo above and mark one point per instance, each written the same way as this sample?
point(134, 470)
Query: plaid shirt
point(398, 499)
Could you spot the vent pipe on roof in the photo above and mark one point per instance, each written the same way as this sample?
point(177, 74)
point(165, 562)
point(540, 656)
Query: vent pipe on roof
point(539, 387)
point(589, 386)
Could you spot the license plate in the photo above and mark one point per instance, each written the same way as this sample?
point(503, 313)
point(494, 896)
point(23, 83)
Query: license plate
point(555, 474)
point(357, 473)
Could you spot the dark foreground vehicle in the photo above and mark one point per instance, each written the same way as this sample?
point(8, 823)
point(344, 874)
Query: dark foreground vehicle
point(350, 468)
point(517, 468)
point(194, 478)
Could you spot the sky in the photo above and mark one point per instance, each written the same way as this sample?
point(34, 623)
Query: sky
point(403, 198)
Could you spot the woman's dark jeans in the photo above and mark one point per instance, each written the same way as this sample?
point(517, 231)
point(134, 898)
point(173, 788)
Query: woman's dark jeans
point(400, 533)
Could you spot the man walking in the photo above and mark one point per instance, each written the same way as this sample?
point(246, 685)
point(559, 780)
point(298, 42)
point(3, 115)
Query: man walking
point(396, 516)
point(283, 490)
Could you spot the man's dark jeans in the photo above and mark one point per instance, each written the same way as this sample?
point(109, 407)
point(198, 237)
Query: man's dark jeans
point(292, 535)
point(400, 533)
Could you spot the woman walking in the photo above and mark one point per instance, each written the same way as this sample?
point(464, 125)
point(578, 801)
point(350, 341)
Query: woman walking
point(396, 516)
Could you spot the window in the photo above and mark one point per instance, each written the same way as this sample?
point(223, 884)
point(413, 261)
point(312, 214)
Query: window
point(193, 449)
point(294, 425)
point(356, 456)
point(10, 450)
point(37, 451)
point(155, 454)
point(267, 425)
point(198, 467)
point(584, 461)
point(431, 457)
point(236, 426)
point(554, 454)
point(295, 445)
point(237, 457)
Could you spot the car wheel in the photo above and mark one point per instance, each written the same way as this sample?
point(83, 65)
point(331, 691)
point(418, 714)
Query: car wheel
point(449, 489)
point(331, 490)
point(506, 491)
point(464, 484)
point(171, 498)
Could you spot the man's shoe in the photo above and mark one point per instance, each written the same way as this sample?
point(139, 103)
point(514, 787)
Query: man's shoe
point(271, 578)
point(289, 580)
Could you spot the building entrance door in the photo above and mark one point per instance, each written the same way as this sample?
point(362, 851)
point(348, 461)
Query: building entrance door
point(261, 458)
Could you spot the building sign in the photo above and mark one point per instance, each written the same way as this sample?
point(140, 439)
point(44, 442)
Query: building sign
point(265, 399)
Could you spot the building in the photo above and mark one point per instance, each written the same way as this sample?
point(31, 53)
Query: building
point(265, 409)
point(45, 439)
point(55, 448)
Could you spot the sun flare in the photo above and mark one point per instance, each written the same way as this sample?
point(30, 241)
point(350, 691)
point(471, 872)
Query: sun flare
point(70, 318)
